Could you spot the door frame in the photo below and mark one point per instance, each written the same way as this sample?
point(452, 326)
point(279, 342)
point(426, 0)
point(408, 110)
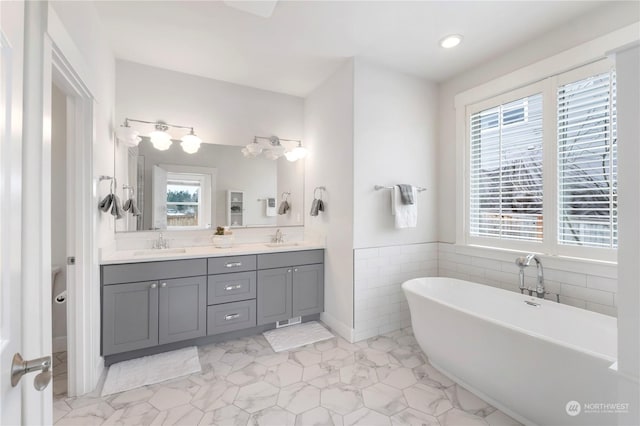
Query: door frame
point(64, 65)
point(79, 218)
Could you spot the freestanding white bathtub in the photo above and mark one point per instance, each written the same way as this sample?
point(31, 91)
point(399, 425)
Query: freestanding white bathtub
point(527, 360)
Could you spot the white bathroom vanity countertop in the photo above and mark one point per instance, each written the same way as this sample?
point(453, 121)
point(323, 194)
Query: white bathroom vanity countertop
point(177, 253)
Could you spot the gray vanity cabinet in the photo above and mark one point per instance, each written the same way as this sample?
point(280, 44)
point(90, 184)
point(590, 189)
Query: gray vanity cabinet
point(148, 304)
point(290, 285)
point(148, 307)
point(183, 309)
point(129, 317)
point(275, 292)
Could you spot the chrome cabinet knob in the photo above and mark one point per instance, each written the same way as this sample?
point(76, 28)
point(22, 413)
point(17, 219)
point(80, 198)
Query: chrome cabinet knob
point(163, 285)
point(154, 285)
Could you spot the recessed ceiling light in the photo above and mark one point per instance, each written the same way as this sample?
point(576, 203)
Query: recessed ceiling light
point(451, 41)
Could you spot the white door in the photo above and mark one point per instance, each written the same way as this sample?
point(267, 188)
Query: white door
point(11, 71)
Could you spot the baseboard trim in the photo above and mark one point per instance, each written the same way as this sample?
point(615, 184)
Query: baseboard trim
point(343, 330)
point(59, 344)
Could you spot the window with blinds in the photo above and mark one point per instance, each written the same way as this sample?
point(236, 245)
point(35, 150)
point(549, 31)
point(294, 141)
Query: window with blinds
point(587, 162)
point(506, 171)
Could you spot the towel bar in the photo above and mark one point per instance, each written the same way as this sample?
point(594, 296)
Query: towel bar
point(379, 187)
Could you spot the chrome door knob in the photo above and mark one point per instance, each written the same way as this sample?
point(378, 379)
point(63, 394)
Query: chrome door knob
point(20, 367)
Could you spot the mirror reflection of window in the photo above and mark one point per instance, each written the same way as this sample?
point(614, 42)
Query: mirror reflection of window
point(184, 201)
point(183, 197)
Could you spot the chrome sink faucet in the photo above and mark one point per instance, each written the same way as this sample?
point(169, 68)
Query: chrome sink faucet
point(523, 262)
point(278, 237)
point(161, 242)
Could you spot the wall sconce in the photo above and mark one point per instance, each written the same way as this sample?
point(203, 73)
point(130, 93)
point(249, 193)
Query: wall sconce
point(160, 139)
point(272, 149)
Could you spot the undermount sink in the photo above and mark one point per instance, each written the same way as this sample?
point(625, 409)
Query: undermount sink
point(151, 252)
point(292, 244)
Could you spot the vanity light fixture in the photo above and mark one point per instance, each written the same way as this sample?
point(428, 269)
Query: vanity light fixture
point(450, 41)
point(160, 138)
point(272, 148)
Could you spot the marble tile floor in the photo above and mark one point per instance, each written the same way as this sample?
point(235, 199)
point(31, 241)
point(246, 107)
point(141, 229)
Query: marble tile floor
point(385, 380)
point(59, 373)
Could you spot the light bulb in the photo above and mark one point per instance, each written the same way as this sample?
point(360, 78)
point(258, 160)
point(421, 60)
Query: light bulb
point(254, 148)
point(160, 139)
point(191, 143)
point(278, 151)
point(451, 41)
point(270, 155)
point(300, 152)
point(128, 135)
point(291, 155)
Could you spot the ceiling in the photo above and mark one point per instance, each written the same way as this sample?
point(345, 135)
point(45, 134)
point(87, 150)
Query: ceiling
point(304, 42)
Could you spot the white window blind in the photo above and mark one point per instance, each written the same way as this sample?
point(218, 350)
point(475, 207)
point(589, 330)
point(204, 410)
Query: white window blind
point(587, 162)
point(506, 171)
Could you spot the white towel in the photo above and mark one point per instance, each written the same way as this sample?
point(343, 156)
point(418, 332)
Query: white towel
point(405, 215)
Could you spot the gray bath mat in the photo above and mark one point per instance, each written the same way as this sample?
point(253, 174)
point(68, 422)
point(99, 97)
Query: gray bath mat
point(283, 339)
point(148, 370)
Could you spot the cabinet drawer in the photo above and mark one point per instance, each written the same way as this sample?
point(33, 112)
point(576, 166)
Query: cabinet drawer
point(223, 265)
point(282, 260)
point(231, 316)
point(147, 271)
point(226, 288)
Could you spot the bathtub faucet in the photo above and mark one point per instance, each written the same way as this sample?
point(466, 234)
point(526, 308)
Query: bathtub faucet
point(523, 262)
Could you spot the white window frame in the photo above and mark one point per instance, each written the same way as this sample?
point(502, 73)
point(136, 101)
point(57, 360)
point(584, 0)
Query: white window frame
point(547, 86)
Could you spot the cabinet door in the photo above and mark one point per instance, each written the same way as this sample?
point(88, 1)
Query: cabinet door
point(274, 295)
point(129, 317)
point(183, 309)
point(308, 290)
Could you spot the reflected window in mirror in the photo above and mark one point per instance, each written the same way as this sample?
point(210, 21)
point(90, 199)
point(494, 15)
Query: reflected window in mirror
point(182, 197)
point(184, 201)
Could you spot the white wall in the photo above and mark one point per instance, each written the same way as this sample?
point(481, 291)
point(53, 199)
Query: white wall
point(380, 306)
point(328, 134)
point(83, 25)
point(579, 283)
point(394, 142)
point(288, 180)
point(588, 27)
point(221, 113)
point(628, 83)
point(58, 212)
